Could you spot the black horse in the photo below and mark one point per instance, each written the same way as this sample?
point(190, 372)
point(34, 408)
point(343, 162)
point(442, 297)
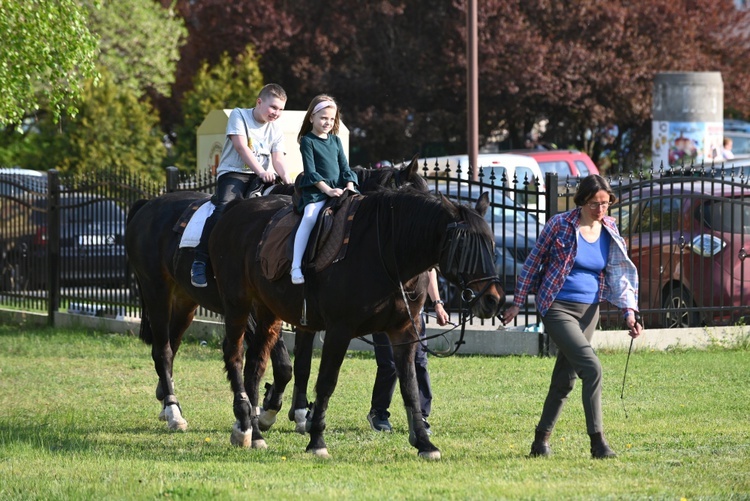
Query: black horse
point(370, 180)
point(152, 248)
point(396, 236)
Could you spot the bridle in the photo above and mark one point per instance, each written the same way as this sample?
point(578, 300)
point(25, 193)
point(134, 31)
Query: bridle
point(476, 256)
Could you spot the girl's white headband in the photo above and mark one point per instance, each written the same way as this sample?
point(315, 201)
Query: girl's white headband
point(323, 104)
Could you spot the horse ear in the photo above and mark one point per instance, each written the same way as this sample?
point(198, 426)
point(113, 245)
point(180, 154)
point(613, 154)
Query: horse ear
point(449, 204)
point(413, 168)
point(483, 203)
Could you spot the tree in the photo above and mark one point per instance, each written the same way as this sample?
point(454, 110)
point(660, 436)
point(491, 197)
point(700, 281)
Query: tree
point(115, 131)
point(399, 68)
point(139, 43)
point(228, 84)
point(47, 53)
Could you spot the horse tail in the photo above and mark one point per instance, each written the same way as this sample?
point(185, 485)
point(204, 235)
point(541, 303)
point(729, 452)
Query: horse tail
point(145, 333)
point(135, 208)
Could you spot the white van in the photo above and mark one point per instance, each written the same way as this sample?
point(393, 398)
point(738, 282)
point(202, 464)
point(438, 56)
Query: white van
point(516, 171)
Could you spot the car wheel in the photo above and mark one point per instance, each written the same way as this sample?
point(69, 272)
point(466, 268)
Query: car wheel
point(677, 314)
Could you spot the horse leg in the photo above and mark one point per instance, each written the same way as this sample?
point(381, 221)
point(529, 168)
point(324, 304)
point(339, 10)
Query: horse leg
point(282, 374)
point(246, 432)
point(180, 319)
point(403, 356)
point(303, 351)
point(164, 315)
point(334, 351)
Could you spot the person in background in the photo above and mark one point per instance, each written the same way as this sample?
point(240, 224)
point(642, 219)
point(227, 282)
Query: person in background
point(386, 378)
point(578, 260)
point(326, 171)
point(726, 151)
point(253, 143)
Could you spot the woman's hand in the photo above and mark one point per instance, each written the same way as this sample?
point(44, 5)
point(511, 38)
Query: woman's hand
point(335, 192)
point(509, 314)
point(635, 328)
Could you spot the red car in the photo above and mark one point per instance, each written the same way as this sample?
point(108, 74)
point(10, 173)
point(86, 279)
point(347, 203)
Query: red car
point(565, 163)
point(689, 240)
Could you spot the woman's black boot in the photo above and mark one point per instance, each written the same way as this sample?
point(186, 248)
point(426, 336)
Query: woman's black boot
point(600, 448)
point(540, 445)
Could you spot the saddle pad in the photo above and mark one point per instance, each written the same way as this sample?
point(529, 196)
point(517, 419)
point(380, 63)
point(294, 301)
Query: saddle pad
point(334, 244)
point(192, 221)
point(274, 251)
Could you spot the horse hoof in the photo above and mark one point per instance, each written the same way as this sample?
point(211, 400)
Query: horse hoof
point(241, 438)
point(259, 444)
point(300, 421)
point(430, 455)
point(163, 415)
point(173, 416)
point(321, 453)
point(266, 419)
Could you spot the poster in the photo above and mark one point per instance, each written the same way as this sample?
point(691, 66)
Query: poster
point(686, 143)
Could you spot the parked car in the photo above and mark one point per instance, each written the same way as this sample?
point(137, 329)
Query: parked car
point(15, 181)
point(565, 163)
point(689, 240)
point(92, 250)
point(740, 143)
point(516, 171)
point(515, 229)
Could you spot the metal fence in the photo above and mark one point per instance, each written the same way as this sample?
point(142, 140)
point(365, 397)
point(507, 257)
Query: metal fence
point(62, 239)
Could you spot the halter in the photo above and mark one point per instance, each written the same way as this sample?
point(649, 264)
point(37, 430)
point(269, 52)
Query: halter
point(458, 235)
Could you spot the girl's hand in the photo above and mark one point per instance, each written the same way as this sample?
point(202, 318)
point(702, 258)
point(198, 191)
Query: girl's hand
point(335, 192)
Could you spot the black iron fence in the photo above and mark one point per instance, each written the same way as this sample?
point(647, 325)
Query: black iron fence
point(62, 239)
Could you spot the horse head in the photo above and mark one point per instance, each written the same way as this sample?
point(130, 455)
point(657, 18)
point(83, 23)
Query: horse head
point(392, 177)
point(467, 255)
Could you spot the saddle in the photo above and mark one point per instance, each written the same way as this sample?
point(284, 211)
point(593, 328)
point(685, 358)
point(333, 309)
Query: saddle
point(328, 241)
point(191, 227)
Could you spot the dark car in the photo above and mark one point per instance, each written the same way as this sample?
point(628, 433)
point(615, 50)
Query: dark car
point(92, 250)
point(515, 230)
point(689, 240)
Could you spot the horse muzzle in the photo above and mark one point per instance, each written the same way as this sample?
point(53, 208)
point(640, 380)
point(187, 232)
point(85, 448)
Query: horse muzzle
point(488, 301)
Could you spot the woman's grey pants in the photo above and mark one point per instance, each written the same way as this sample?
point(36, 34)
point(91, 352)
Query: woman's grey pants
point(571, 326)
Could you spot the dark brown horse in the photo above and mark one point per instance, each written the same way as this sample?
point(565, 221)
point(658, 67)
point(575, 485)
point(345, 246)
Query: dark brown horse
point(395, 237)
point(152, 248)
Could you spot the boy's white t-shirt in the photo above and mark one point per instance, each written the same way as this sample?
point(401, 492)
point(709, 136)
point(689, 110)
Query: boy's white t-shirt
point(263, 139)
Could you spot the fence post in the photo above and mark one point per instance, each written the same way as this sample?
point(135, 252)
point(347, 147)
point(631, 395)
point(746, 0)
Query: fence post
point(552, 193)
point(173, 178)
point(53, 245)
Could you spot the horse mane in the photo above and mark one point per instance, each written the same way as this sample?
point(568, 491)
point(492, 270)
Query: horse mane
point(391, 178)
point(424, 204)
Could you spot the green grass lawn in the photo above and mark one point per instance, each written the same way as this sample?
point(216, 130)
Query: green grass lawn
point(78, 420)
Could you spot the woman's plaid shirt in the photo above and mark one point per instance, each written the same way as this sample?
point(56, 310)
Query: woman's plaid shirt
point(552, 259)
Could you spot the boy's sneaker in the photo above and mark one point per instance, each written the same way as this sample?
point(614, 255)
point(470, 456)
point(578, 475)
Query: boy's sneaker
point(198, 274)
point(379, 420)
